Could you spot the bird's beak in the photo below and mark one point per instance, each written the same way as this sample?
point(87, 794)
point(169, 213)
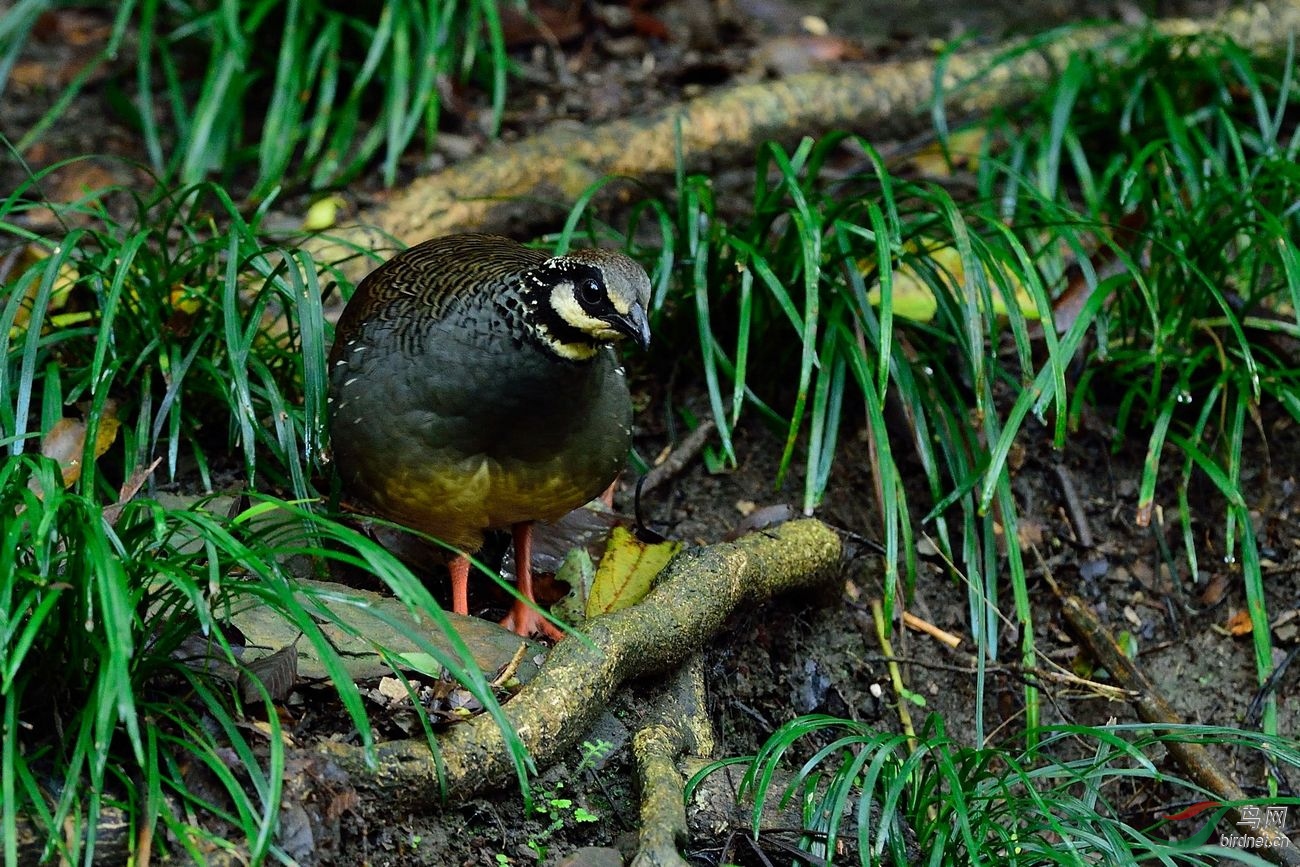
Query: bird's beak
point(634, 324)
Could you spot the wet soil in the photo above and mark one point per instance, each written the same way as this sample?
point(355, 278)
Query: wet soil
point(799, 656)
point(820, 655)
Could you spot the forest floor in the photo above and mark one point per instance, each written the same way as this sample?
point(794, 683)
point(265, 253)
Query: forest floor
point(801, 656)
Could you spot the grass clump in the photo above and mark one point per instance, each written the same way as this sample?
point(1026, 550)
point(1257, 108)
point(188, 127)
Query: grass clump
point(1185, 157)
point(814, 275)
point(1069, 798)
point(207, 341)
point(194, 354)
point(1126, 242)
point(119, 675)
point(306, 91)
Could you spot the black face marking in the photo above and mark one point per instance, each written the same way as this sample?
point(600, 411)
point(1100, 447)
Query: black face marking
point(586, 282)
point(574, 305)
point(562, 275)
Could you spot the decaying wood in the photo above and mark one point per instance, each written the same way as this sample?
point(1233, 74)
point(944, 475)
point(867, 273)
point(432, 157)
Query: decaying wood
point(502, 187)
point(1152, 707)
point(696, 594)
point(678, 723)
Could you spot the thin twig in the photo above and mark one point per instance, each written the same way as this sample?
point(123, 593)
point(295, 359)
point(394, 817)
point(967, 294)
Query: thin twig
point(508, 671)
point(685, 452)
point(1079, 518)
point(1167, 558)
point(1269, 687)
point(1025, 675)
point(911, 621)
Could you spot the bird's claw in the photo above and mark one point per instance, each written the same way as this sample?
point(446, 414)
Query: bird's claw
point(527, 621)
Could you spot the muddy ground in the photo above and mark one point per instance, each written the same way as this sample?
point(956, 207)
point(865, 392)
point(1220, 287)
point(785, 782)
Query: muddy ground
point(799, 656)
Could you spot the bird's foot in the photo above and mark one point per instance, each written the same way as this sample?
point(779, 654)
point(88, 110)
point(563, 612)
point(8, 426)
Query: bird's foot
point(527, 621)
point(607, 496)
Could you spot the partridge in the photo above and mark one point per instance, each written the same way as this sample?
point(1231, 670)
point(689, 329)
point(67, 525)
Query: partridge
point(473, 387)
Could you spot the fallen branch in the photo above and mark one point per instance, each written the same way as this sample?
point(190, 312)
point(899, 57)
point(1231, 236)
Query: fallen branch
point(678, 724)
point(1152, 707)
point(501, 188)
point(694, 597)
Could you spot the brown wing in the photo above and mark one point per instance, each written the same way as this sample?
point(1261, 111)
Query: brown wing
point(420, 283)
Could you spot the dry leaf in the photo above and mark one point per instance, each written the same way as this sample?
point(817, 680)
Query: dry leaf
point(579, 572)
point(127, 492)
point(73, 39)
point(74, 182)
point(1030, 533)
point(1215, 589)
point(277, 673)
point(393, 689)
point(963, 149)
point(541, 22)
point(761, 519)
point(66, 443)
point(1105, 262)
point(1239, 623)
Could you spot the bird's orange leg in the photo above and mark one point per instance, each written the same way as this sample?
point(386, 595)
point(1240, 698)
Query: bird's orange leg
point(459, 568)
point(524, 618)
point(608, 496)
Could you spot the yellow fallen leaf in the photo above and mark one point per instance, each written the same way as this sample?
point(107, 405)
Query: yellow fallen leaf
point(963, 149)
point(323, 213)
point(913, 298)
point(626, 571)
point(185, 299)
point(64, 282)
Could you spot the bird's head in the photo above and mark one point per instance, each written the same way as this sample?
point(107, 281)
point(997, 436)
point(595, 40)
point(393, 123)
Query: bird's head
point(586, 299)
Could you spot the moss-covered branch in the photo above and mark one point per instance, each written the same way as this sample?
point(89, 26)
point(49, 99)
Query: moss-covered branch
point(696, 594)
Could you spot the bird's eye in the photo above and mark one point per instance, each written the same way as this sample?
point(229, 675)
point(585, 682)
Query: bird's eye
point(591, 292)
